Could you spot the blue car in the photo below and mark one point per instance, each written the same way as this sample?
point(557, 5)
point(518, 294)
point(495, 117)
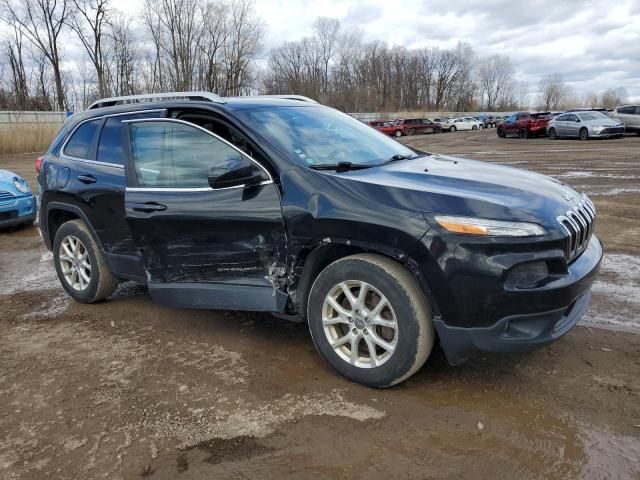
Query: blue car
point(17, 202)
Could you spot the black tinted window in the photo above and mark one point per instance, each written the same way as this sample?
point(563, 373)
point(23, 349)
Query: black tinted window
point(79, 144)
point(627, 110)
point(167, 154)
point(110, 145)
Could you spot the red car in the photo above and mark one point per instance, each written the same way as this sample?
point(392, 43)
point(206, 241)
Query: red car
point(409, 126)
point(387, 126)
point(525, 125)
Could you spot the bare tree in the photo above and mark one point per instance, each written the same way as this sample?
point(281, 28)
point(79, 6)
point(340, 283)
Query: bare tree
point(326, 33)
point(123, 56)
point(245, 43)
point(19, 85)
point(495, 74)
point(89, 23)
point(41, 22)
point(554, 92)
point(612, 98)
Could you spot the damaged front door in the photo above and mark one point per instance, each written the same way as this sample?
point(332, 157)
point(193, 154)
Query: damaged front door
point(206, 218)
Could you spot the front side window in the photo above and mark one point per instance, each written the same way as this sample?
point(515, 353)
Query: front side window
point(317, 135)
point(175, 155)
point(79, 145)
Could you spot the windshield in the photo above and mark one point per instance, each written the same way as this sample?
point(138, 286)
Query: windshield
point(323, 136)
point(593, 116)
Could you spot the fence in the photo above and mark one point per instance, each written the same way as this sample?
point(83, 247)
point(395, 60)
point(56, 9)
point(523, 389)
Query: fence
point(26, 132)
point(9, 118)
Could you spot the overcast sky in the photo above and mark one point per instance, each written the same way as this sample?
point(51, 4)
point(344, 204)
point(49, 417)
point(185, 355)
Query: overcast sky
point(594, 44)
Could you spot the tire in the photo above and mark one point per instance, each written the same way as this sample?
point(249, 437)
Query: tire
point(523, 133)
point(411, 339)
point(553, 135)
point(397, 133)
point(409, 132)
point(584, 134)
point(474, 127)
point(453, 128)
point(500, 133)
point(101, 282)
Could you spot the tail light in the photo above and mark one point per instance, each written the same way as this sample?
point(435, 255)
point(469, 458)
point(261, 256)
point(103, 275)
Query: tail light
point(38, 164)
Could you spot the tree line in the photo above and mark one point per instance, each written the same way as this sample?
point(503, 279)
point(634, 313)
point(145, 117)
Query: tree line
point(217, 45)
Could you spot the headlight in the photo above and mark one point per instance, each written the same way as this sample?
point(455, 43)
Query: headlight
point(21, 185)
point(493, 228)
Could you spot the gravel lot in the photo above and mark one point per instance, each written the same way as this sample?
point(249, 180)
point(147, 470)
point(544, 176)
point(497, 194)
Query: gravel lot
point(128, 389)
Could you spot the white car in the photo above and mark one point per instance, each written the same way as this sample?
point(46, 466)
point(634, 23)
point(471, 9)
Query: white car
point(465, 123)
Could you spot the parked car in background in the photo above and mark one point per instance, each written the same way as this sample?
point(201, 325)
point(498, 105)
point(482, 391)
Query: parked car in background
point(17, 202)
point(525, 124)
point(412, 126)
point(465, 123)
point(491, 121)
point(386, 126)
point(584, 124)
point(445, 123)
point(630, 116)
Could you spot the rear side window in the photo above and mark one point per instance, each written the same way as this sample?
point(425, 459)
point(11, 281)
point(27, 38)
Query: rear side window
point(79, 145)
point(628, 110)
point(110, 144)
point(173, 155)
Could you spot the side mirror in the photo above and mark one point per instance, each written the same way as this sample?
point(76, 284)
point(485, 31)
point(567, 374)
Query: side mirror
point(235, 172)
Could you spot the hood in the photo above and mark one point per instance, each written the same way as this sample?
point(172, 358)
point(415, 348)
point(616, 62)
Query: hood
point(7, 177)
point(456, 186)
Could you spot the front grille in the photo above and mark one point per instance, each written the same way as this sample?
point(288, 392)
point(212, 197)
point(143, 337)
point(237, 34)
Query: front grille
point(6, 196)
point(612, 131)
point(578, 224)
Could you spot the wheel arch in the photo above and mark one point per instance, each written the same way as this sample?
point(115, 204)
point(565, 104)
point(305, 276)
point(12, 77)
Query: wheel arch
point(57, 213)
point(312, 261)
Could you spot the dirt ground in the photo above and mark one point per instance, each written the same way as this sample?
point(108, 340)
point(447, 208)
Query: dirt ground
point(128, 389)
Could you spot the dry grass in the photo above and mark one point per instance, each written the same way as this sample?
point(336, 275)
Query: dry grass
point(26, 137)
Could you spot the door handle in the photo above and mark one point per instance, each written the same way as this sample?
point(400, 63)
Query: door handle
point(87, 178)
point(148, 207)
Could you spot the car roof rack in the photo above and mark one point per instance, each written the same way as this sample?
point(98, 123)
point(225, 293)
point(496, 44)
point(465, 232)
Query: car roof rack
point(302, 98)
point(149, 97)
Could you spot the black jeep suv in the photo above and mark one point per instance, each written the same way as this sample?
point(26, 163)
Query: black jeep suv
point(287, 206)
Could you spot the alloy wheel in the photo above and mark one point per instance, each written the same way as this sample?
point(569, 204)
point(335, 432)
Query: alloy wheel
point(75, 263)
point(360, 324)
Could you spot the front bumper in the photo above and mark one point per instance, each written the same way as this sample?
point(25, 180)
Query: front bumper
point(558, 306)
point(17, 211)
point(607, 132)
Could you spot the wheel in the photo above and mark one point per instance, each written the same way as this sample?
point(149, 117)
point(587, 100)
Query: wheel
point(553, 135)
point(523, 133)
point(409, 132)
point(474, 127)
point(500, 133)
point(397, 133)
point(453, 128)
point(369, 320)
point(80, 264)
point(584, 134)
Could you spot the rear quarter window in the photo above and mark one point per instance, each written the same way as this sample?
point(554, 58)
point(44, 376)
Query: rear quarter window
point(81, 140)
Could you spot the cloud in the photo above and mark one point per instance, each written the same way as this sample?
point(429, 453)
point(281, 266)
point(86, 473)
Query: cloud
point(593, 44)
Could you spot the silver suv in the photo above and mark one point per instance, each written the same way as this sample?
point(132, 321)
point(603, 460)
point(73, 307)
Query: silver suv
point(630, 116)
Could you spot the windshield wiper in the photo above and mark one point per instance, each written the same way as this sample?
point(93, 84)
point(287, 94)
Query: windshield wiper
point(397, 157)
point(342, 166)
